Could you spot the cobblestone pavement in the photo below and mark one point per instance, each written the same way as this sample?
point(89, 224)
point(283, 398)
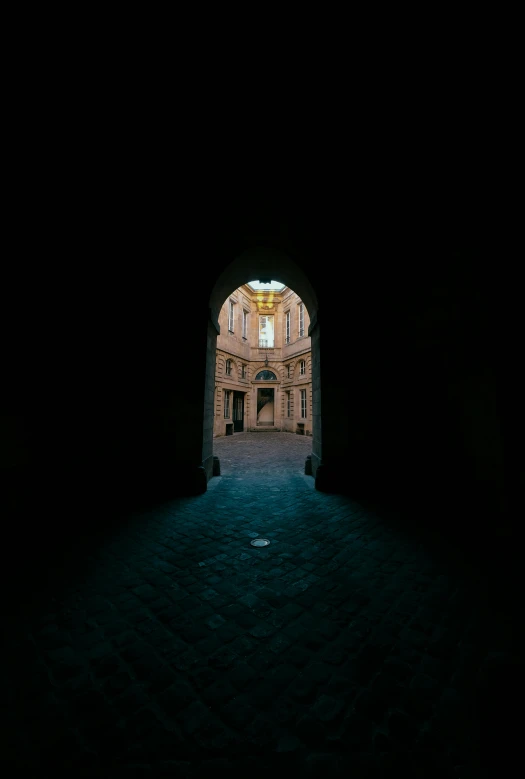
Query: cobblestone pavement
point(350, 646)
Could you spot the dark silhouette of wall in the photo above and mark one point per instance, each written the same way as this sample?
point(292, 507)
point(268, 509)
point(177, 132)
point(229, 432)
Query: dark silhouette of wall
point(105, 373)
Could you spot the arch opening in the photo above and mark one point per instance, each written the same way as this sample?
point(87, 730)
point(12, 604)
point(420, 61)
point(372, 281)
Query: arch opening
point(265, 330)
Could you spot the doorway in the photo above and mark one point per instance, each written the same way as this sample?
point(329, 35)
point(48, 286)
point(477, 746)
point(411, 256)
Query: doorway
point(238, 412)
point(257, 262)
point(265, 406)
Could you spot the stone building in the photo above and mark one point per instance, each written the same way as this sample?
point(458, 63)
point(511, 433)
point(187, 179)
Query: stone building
point(263, 373)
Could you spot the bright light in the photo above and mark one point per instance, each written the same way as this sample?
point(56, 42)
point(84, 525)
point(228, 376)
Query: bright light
point(277, 285)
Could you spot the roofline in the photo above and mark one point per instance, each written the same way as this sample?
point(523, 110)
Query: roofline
point(265, 290)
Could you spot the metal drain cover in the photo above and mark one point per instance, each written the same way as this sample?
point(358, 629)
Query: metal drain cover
point(259, 542)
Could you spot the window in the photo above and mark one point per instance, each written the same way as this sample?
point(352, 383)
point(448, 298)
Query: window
point(303, 404)
point(302, 368)
point(228, 367)
point(288, 403)
point(231, 316)
point(289, 371)
point(287, 339)
point(243, 371)
point(266, 376)
point(301, 320)
point(266, 332)
point(227, 394)
point(245, 324)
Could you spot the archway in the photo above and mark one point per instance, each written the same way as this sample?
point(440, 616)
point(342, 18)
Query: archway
point(265, 264)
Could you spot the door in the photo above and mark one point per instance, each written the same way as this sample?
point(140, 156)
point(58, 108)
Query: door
point(238, 412)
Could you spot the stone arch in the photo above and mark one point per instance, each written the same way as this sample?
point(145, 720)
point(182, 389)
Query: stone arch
point(220, 366)
point(235, 366)
point(295, 376)
point(256, 367)
point(268, 263)
point(222, 359)
point(297, 369)
point(261, 262)
point(309, 365)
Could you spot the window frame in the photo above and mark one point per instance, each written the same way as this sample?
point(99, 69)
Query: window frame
point(245, 324)
point(301, 320)
point(266, 345)
point(265, 370)
point(227, 405)
point(302, 368)
point(287, 335)
point(243, 371)
point(231, 316)
point(303, 404)
point(228, 367)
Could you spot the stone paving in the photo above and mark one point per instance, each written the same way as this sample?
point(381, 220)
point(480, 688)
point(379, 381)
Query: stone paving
point(351, 646)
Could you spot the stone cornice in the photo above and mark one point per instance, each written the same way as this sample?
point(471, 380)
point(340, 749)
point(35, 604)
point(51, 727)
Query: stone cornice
point(297, 354)
point(280, 361)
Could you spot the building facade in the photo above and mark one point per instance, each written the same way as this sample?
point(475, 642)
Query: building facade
point(263, 371)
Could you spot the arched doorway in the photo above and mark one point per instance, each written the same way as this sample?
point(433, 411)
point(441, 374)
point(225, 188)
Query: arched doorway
point(261, 263)
point(265, 407)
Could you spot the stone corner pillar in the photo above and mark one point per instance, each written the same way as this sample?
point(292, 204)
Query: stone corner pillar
point(329, 479)
point(191, 481)
point(200, 481)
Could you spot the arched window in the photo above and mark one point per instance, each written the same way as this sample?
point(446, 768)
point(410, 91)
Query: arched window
point(302, 368)
point(266, 376)
point(228, 367)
